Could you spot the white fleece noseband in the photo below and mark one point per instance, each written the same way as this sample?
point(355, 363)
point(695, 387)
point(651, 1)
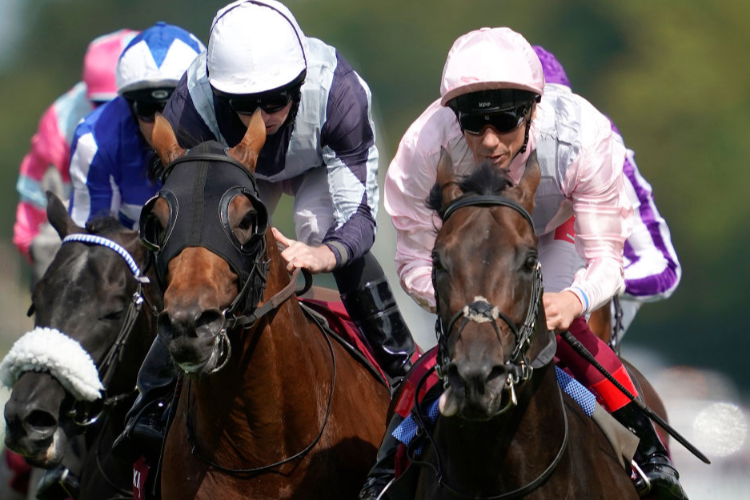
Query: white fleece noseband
point(49, 350)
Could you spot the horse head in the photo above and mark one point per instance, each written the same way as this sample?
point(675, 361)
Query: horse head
point(66, 370)
point(210, 243)
point(487, 282)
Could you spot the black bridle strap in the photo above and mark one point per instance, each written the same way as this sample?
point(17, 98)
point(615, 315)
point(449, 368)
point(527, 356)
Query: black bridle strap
point(486, 200)
point(518, 493)
point(191, 435)
point(247, 321)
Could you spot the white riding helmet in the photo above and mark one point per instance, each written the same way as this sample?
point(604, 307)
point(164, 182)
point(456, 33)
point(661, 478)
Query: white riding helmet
point(255, 46)
point(489, 59)
point(156, 59)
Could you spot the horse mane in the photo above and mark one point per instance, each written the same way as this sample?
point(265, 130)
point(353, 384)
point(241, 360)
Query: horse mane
point(485, 179)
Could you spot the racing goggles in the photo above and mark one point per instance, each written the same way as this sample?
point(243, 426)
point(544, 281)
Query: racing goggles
point(503, 121)
point(146, 110)
point(270, 102)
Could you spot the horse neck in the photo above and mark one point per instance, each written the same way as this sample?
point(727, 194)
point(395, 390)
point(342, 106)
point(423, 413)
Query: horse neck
point(270, 398)
point(474, 452)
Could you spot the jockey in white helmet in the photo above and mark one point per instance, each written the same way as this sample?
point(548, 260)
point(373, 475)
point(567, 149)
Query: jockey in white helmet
point(320, 149)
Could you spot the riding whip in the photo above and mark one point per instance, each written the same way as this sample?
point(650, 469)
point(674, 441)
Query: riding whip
point(583, 352)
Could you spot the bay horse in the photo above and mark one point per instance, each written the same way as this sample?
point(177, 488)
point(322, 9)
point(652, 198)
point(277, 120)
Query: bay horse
point(270, 406)
point(504, 429)
point(76, 371)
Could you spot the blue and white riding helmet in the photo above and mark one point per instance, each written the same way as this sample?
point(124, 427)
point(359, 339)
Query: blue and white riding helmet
point(155, 60)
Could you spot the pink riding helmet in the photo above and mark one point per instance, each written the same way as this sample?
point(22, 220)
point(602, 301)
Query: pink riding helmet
point(100, 63)
point(490, 58)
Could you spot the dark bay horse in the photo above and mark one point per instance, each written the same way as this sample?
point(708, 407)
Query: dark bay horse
point(76, 371)
point(271, 407)
point(505, 429)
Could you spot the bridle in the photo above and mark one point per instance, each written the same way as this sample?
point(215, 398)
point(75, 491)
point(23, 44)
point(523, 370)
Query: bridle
point(203, 221)
point(519, 366)
point(82, 413)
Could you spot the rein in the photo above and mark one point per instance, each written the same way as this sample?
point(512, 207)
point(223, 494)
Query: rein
point(520, 367)
point(106, 367)
point(517, 493)
point(246, 322)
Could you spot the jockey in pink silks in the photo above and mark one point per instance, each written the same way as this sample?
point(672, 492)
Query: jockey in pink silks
point(45, 167)
point(494, 107)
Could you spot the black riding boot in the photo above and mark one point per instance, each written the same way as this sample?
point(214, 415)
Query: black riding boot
point(651, 456)
point(384, 470)
point(147, 419)
point(375, 312)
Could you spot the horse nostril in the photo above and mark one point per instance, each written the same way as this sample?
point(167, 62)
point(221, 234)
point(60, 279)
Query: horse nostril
point(497, 372)
point(40, 424)
point(209, 323)
point(164, 326)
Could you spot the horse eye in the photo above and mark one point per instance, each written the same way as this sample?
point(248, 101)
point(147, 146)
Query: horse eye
point(437, 264)
point(113, 316)
point(248, 222)
point(530, 263)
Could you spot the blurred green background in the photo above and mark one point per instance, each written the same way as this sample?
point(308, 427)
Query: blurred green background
point(672, 74)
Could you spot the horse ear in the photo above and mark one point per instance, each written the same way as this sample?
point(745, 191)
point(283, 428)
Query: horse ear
point(247, 151)
point(164, 140)
point(446, 178)
point(526, 188)
point(59, 218)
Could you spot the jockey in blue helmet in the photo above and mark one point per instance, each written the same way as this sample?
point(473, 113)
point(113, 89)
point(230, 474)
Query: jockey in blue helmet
point(111, 150)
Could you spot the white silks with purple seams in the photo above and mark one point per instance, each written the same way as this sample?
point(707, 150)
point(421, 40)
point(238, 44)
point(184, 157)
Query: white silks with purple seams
point(49, 350)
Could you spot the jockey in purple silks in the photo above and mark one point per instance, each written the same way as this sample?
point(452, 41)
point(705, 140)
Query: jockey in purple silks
point(652, 269)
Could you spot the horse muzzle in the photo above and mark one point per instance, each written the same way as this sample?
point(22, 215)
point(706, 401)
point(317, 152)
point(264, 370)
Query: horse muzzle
point(477, 391)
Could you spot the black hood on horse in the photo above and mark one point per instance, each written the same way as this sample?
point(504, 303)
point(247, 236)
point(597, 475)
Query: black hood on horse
point(199, 213)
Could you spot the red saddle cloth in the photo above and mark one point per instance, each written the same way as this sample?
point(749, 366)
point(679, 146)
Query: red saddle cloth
point(340, 322)
point(21, 471)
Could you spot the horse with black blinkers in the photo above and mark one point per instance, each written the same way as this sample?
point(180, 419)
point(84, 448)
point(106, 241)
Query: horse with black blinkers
point(505, 429)
point(76, 371)
point(271, 407)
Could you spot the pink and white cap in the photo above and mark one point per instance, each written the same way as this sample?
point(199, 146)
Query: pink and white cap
point(490, 58)
point(100, 62)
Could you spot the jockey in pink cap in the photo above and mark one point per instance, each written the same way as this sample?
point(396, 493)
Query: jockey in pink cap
point(45, 167)
point(495, 108)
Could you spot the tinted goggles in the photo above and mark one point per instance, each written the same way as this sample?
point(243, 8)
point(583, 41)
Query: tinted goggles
point(145, 110)
point(502, 121)
point(270, 102)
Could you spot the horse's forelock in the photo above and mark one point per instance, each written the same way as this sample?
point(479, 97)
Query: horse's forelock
point(485, 179)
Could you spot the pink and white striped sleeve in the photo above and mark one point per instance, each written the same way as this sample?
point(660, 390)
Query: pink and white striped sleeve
point(596, 185)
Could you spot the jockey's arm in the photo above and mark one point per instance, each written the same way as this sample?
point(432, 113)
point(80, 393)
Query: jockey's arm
point(596, 185)
point(90, 174)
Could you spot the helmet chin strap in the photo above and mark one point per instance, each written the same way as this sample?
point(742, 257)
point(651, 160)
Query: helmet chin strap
point(525, 139)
